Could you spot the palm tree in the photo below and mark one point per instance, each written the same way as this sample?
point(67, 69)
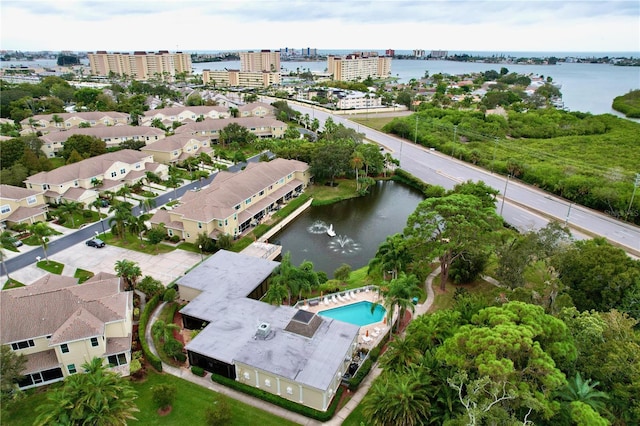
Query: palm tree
point(147, 204)
point(584, 391)
point(71, 208)
point(397, 399)
point(129, 271)
point(173, 182)
point(163, 331)
point(401, 354)
point(392, 255)
point(137, 226)
point(399, 294)
point(124, 191)
point(98, 397)
point(121, 218)
point(276, 294)
point(42, 231)
point(357, 162)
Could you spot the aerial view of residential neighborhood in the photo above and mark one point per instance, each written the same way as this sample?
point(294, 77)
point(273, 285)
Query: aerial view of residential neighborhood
point(285, 236)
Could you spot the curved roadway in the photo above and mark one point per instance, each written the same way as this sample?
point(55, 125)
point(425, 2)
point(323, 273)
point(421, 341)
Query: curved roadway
point(524, 206)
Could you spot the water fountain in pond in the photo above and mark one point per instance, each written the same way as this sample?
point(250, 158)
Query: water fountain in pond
point(344, 245)
point(318, 227)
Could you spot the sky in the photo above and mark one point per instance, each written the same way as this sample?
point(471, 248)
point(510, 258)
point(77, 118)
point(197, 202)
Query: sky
point(221, 25)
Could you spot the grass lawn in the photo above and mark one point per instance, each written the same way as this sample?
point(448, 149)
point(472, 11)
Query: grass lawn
point(11, 283)
point(355, 418)
point(51, 266)
point(132, 242)
point(323, 194)
point(83, 275)
point(444, 300)
point(372, 121)
point(189, 406)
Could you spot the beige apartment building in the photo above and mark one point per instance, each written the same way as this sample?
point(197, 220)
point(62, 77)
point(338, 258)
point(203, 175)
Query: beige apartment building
point(140, 65)
point(177, 148)
point(82, 181)
point(264, 60)
point(183, 114)
point(357, 66)
point(112, 136)
point(67, 120)
point(235, 78)
point(234, 202)
point(21, 205)
point(261, 127)
point(59, 325)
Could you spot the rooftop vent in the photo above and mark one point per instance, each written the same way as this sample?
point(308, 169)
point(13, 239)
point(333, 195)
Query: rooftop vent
point(263, 330)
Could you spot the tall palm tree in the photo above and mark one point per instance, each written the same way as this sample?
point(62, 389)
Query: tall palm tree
point(98, 397)
point(129, 271)
point(42, 232)
point(357, 162)
point(70, 208)
point(392, 255)
point(398, 294)
point(121, 217)
point(276, 293)
point(397, 399)
point(137, 226)
point(124, 191)
point(147, 204)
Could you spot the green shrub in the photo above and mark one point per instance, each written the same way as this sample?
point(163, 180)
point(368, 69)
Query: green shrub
point(164, 394)
point(174, 239)
point(374, 354)
point(219, 412)
point(151, 305)
point(355, 381)
point(169, 295)
point(198, 371)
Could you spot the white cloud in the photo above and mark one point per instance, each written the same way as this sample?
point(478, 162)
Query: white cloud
point(515, 25)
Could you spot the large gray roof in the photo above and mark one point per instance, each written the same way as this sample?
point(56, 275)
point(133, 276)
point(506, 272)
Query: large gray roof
point(226, 279)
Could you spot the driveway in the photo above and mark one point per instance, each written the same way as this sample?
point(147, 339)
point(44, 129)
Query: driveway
point(164, 267)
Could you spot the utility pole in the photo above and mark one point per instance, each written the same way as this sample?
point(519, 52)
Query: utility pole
point(504, 194)
point(636, 183)
point(415, 135)
point(495, 146)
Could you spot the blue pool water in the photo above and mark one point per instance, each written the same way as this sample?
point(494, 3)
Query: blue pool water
point(356, 313)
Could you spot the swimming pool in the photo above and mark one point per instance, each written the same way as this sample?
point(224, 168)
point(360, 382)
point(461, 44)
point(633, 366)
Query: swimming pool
point(357, 313)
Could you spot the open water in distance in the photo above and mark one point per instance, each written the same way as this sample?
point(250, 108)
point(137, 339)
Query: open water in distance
point(585, 87)
point(361, 224)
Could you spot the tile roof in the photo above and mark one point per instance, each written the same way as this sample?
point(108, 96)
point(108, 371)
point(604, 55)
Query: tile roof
point(11, 192)
point(88, 168)
point(119, 131)
point(174, 142)
point(57, 305)
point(211, 124)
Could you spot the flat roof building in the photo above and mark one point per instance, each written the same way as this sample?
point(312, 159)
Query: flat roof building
point(358, 66)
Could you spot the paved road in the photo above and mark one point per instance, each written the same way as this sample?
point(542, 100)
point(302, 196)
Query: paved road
point(29, 255)
point(524, 206)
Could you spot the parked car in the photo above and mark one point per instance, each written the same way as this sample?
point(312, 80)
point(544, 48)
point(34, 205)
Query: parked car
point(95, 242)
point(16, 242)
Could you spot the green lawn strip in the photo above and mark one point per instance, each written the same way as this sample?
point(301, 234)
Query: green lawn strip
point(11, 283)
point(375, 123)
point(79, 219)
point(166, 315)
point(323, 194)
point(132, 242)
point(22, 412)
point(190, 404)
point(355, 418)
point(82, 275)
point(51, 266)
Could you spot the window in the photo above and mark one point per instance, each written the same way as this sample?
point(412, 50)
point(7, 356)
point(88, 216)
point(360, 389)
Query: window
point(246, 375)
point(247, 201)
point(22, 345)
point(5, 209)
point(122, 171)
point(32, 200)
point(261, 193)
point(72, 368)
point(237, 207)
point(64, 348)
point(199, 225)
point(220, 223)
point(94, 341)
point(75, 183)
point(113, 174)
point(267, 383)
point(119, 359)
point(137, 165)
point(289, 390)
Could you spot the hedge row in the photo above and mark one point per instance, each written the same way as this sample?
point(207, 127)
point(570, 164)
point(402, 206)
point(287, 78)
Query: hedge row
point(410, 180)
point(151, 305)
point(198, 371)
point(366, 366)
point(322, 416)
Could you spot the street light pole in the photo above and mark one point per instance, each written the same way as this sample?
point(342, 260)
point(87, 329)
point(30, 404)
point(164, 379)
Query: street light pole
point(201, 255)
point(504, 194)
point(566, 221)
point(636, 183)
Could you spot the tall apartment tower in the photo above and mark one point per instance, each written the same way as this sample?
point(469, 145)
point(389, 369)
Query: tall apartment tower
point(140, 65)
point(264, 60)
point(357, 66)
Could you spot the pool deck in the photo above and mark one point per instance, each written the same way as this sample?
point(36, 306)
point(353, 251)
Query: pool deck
point(370, 334)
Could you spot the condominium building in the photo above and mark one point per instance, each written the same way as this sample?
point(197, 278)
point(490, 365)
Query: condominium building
point(59, 325)
point(264, 60)
point(140, 65)
point(235, 78)
point(235, 201)
point(21, 205)
point(66, 120)
point(358, 66)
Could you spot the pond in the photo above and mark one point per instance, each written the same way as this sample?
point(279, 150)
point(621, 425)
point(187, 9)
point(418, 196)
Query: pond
point(360, 225)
